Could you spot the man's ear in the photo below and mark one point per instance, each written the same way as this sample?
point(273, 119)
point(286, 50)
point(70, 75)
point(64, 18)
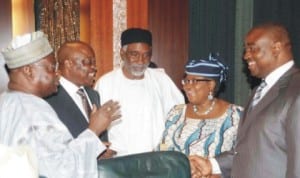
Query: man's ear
point(122, 53)
point(276, 48)
point(27, 70)
point(67, 68)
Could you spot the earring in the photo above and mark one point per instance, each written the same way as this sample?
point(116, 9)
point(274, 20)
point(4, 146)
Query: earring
point(210, 96)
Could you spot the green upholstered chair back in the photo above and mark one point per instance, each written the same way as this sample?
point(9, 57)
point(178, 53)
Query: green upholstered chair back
point(162, 164)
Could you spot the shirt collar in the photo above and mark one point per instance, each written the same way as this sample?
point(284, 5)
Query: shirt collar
point(274, 76)
point(68, 85)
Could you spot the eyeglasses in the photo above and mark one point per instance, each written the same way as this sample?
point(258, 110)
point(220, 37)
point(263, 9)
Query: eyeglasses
point(193, 81)
point(89, 62)
point(84, 61)
point(137, 55)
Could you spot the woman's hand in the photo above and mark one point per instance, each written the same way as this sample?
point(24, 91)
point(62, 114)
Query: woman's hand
point(200, 167)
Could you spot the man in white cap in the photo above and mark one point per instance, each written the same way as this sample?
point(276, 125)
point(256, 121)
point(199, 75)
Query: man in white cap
point(146, 95)
point(26, 119)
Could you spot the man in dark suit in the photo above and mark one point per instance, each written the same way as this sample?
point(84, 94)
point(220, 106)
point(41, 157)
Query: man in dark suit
point(268, 137)
point(77, 66)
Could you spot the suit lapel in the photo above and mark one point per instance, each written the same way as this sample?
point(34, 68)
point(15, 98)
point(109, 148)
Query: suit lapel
point(253, 114)
point(71, 106)
point(95, 99)
point(93, 96)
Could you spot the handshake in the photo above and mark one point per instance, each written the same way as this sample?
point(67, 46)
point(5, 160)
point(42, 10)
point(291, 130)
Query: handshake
point(201, 167)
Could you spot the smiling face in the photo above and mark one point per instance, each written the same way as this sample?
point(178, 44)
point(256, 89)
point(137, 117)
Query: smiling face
point(136, 58)
point(260, 53)
point(78, 63)
point(197, 88)
point(84, 66)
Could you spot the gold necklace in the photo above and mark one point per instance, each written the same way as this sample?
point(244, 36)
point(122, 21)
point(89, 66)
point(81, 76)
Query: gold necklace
point(211, 107)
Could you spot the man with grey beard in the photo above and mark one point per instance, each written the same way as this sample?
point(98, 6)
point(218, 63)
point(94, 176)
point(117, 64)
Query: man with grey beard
point(145, 95)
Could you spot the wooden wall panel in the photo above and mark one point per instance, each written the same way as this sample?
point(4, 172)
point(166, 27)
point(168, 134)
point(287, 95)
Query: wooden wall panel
point(102, 34)
point(5, 23)
point(22, 17)
point(137, 13)
point(85, 20)
point(168, 21)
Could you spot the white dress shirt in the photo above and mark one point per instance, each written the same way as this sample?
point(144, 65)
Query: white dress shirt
point(72, 91)
point(274, 76)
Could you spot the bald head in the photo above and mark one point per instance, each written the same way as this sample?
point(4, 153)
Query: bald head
point(275, 31)
point(267, 47)
point(77, 63)
point(68, 48)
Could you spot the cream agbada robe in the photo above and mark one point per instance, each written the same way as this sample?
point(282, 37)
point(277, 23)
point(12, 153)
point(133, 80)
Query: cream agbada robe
point(144, 107)
point(28, 120)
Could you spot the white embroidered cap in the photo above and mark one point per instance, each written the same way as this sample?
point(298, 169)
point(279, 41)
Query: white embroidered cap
point(26, 49)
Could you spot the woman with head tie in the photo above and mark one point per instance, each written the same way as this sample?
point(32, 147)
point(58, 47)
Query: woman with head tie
point(207, 125)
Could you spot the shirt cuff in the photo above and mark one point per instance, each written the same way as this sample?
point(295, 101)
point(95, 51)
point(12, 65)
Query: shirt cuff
point(215, 166)
point(99, 145)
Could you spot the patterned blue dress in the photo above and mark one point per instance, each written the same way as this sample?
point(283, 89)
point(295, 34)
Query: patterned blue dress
point(203, 137)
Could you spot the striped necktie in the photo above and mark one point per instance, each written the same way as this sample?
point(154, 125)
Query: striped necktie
point(85, 102)
point(257, 95)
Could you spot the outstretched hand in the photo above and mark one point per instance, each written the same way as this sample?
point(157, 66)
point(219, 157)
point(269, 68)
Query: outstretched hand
point(100, 118)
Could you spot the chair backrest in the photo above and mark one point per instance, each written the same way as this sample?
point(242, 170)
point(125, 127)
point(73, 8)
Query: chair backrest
point(161, 164)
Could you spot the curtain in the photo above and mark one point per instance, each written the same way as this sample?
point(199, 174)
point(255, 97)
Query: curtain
point(286, 12)
point(212, 29)
point(220, 26)
point(59, 19)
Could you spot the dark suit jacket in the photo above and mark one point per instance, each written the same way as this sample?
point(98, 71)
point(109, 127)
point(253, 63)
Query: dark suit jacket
point(268, 137)
point(69, 113)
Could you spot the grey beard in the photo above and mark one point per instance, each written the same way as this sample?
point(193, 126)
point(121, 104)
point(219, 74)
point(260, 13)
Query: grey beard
point(138, 73)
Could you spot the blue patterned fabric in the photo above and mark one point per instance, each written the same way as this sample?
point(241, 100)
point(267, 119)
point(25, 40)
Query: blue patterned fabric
point(204, 137)
point(210, 68)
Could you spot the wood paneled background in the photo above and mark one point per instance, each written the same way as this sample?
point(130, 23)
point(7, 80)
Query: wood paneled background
point(168, 21)
point(101, 28)
point(138, 13)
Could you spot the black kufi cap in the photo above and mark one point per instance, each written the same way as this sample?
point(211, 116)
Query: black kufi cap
point(136, 35)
